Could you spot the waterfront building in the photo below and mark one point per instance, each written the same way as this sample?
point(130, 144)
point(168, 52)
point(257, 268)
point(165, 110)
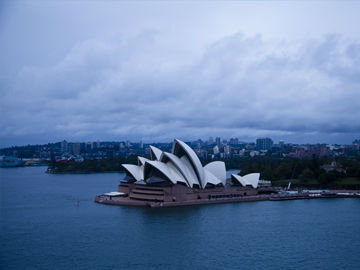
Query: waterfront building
point(179, 178)
point(246, 180)
point(181, 166)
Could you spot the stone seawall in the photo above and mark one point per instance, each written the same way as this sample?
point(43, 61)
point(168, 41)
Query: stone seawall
point(125, 201)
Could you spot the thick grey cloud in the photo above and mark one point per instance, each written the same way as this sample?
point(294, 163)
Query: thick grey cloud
point(144, 86)
point(242, 86)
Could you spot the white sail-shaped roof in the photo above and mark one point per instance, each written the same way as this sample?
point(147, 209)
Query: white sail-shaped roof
point(183, 166)
point(179, 164)
point(162, 167)
point(135, 171)
point(192, 178)
point(155, 153)
point(141, 160)
point(251, 179)
point(218, 169)
point(180, 149)
point(211, 178)
point(178, 177)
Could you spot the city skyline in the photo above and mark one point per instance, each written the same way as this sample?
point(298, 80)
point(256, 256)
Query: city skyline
point(206, 149)
point(227, 140)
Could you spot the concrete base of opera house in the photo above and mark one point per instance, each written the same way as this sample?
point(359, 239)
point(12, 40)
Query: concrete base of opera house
point(179, 195)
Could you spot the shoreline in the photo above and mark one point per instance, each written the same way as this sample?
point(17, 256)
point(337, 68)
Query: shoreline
point(82, 172)
point(101, 199)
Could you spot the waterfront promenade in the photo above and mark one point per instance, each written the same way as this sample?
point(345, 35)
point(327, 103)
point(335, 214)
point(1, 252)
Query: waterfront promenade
point(126, 201)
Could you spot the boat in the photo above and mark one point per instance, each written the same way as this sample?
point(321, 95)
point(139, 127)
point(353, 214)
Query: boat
point(9, 162)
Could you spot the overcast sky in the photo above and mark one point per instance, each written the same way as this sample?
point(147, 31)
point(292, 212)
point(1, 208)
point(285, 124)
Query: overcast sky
point(154, 71)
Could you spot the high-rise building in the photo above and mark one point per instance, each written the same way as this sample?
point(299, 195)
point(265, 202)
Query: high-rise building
point(281, 144)
point(76, 148)
point(218, 141)
point(64, 146)
point(234, 141)
point(211, 140)
point(264, 143)
point(89, 146)
point(199, 143)
point(356, 144)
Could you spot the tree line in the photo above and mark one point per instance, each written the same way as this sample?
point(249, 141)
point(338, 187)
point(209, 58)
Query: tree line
point(270, 168)
point(91, 165)
point(303, 169)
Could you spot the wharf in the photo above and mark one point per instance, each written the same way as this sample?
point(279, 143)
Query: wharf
point(126, 201)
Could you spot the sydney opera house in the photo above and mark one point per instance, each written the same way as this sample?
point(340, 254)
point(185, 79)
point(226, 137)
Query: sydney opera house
point(178, 178)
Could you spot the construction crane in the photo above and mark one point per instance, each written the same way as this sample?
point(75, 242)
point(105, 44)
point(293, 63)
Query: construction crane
point(292, 176)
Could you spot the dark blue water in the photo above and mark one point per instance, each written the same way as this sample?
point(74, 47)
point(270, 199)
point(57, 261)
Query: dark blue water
point(42, 227)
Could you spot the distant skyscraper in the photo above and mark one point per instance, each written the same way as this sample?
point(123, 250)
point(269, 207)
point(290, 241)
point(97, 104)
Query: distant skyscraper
point(264, 143)
point(64, 146)
point(211, 140)
point(76, 148)
point(89, 146)
point(356, 144)
point(198, 144)
point(218, 141)
point(97, 144)
point(141, 144)
point(281, 144)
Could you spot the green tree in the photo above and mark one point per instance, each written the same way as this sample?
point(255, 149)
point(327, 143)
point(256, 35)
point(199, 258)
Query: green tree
point(327, 178)
point(306, 175)
point(284, 170)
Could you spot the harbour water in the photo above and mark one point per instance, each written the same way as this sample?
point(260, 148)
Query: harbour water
point(51, 222)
